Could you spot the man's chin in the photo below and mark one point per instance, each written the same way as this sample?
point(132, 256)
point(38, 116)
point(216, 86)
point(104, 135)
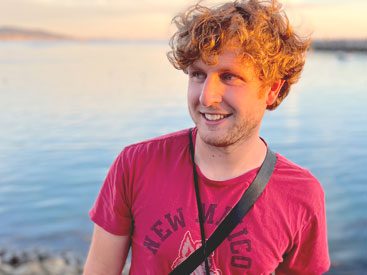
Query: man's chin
point(214, 138)
point(225, 137)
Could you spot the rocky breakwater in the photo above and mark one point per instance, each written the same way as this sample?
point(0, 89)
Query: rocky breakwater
point(39, 263)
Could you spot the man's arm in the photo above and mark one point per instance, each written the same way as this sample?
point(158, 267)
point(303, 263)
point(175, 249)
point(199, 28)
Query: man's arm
point(107, 254)
point(310, 252)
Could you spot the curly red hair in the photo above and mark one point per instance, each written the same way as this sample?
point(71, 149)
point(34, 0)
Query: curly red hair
point(260, 31)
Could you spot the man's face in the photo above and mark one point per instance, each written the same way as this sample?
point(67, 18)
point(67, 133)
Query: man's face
point(226, 101)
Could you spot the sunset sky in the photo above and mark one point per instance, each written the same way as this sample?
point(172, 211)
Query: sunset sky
point(143, 19)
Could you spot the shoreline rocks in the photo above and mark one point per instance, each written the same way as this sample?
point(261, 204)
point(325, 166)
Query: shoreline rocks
point(37, 262)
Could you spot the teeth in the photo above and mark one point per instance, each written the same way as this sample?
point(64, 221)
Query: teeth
point(213, 117)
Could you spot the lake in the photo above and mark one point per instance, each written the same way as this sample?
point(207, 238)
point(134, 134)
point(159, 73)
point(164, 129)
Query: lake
point(68, 108)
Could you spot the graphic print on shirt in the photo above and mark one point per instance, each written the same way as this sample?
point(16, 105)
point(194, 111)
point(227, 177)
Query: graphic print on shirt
point(187, 247)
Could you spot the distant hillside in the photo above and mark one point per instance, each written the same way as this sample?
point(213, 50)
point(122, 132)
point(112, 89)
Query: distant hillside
point(13, 33)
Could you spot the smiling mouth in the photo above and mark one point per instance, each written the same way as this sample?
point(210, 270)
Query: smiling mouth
point(215, 117)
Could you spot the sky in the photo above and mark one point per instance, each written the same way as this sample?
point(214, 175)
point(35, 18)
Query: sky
point(150, 19)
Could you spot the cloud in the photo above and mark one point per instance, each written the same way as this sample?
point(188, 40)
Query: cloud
point(142, 5)
point(114, 18)
point(327, 19)
point(81, 2)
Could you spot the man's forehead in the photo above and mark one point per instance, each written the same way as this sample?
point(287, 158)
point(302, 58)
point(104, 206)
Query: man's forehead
point(226, 59)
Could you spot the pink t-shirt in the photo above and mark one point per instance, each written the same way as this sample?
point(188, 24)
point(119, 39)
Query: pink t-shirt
point(149, 194)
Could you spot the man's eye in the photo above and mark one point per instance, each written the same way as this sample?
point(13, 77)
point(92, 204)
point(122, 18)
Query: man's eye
point(228, 77)
point(197, 75)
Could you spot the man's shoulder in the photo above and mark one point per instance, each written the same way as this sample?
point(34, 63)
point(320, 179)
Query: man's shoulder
point(171, 141)
point(285, 165)
point(296, 189)
point(295, 176)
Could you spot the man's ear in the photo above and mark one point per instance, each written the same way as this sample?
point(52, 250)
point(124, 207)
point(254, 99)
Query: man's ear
point(274, 91)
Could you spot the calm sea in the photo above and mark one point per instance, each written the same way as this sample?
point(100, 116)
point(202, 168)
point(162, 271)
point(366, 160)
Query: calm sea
point(67, 109)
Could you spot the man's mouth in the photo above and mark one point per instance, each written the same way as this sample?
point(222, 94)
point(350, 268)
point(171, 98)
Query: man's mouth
point(214, 117)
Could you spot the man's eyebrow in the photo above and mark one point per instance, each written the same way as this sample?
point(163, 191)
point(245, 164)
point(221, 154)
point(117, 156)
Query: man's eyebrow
point(194, 67)
point(236, 71)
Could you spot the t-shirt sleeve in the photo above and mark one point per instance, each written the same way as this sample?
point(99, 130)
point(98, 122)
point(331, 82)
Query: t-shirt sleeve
point(110, 210)
point(309, 253)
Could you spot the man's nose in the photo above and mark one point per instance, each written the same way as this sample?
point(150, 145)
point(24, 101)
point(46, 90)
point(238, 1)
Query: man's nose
point(211, 92)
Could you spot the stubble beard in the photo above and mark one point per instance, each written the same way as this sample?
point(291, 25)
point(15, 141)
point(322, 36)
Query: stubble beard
point(239, 133)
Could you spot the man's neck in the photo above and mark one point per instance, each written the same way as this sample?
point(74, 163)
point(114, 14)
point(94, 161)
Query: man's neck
point(223, 163)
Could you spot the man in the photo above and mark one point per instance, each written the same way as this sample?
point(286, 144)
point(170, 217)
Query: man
point(241, 59)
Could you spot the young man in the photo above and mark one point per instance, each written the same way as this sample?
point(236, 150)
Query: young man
point(241, 59)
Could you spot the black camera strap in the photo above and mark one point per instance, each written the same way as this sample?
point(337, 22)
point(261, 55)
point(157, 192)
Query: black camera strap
point(233, 218)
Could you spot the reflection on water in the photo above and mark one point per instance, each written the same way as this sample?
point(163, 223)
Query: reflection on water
point(67, 109)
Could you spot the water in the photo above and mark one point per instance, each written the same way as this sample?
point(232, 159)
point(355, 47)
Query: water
point(67, 109)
